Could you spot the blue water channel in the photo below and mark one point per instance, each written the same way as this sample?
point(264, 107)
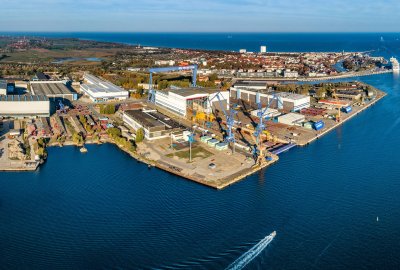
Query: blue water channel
point(104, 210)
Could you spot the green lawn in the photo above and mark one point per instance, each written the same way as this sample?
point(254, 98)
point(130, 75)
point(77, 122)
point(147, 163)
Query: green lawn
point(197, 152)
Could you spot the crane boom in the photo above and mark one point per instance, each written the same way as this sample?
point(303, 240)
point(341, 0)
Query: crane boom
point(230, 121)
point(259, 149)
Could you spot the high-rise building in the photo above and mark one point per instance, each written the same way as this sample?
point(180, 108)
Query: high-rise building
point(263, 49)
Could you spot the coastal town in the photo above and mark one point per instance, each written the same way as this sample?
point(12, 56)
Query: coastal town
point(212, 117)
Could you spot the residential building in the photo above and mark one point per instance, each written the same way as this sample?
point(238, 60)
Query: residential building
point(290, 74)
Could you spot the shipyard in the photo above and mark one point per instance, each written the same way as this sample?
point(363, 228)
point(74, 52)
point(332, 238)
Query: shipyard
point(181, 116)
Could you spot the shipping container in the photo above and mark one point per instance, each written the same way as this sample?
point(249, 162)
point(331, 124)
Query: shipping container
point(347, 109)
point(205, 139)
point(213, 142)
point(308, 125)
point(221, 146)
point(319, 125)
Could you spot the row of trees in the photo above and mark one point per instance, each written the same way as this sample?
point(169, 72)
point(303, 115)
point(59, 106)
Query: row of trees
point(107, 109)
point(294, 88)
point(41, 148)
point(115, 134)
point(77, 138)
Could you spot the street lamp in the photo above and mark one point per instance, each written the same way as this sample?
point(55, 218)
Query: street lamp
point(191, 140)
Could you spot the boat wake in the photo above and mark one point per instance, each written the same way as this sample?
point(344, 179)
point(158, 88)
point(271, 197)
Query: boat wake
point(250, 255)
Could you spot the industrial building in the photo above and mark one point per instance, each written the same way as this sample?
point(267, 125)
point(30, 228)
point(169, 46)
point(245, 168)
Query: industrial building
point(99, 90)
point(183, 100)
point(154, 124)
point(40, 76)
point(251, 85)
point(263, 49)
point(268, 113)
point(3, 87)
point(24, 106)
point(52, 90)
point(277, 100)
point(10, 88)
point(292, 119)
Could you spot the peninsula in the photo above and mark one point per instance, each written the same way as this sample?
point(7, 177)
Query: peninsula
point(212, 117)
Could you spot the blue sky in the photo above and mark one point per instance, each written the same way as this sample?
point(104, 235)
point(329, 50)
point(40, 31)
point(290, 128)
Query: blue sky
point(201, 15)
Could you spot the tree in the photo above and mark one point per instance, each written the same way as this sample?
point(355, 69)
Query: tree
point(321, 92)
point(213, 77)
point(82, 119)
point(77, 138)
point(107, 109)
point(304, 89)
point(139, 135)
point(96, 138)
point(42, 153)
point(114, 132)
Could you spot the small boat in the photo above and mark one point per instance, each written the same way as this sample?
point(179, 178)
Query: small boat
point(377, 219)
point(83, 149)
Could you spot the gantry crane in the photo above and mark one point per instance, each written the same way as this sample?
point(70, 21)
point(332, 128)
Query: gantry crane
point(339, 107)
point(259, 149)
point(230, 120)
point(152, 97)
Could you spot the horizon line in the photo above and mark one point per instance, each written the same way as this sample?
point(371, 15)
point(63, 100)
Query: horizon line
point(202, 32)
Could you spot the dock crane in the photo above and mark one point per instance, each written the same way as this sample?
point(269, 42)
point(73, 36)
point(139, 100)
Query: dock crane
point(230, 121)
point(339, 107)
point(259, 148)
point(61, 106)
point(152, 97)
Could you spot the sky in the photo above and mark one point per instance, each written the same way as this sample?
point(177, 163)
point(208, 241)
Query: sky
point(200, 15)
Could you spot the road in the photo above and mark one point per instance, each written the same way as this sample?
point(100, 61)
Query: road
point(3, 143)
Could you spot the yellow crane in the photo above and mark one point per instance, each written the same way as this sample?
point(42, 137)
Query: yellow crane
point(339, 107)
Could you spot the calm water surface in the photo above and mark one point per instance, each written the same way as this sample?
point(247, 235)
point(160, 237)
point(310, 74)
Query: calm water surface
point(104, 210)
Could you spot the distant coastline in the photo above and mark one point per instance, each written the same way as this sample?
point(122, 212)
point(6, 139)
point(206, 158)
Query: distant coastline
point(275, 42)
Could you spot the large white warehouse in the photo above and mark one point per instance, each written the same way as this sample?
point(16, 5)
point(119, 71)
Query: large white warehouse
point(99, 90)
point(196, 99)
point(24, 106)
point(283, 100)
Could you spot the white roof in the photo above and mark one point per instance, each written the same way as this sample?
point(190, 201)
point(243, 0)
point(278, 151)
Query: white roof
point(293, 117)
point(290, 95)
point(97, 85)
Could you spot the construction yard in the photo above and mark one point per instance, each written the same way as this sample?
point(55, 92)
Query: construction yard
point(209, 166)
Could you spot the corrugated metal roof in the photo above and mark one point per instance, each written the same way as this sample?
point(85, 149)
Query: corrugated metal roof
point(23, 98)
point(50, 89)
point(97, 85)
point(185, 92)
point(3, 84)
